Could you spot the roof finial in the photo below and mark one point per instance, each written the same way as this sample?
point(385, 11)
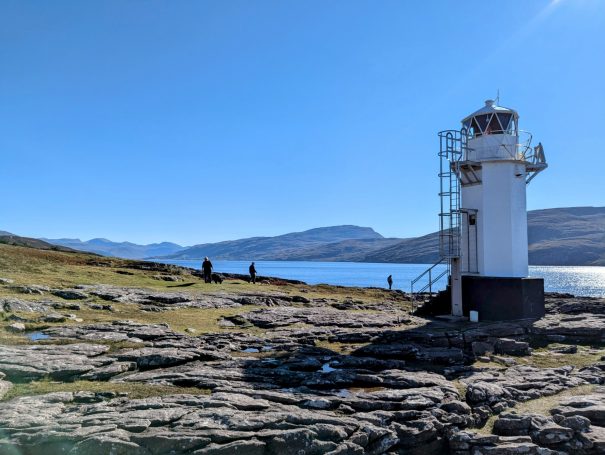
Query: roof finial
point(498, 98)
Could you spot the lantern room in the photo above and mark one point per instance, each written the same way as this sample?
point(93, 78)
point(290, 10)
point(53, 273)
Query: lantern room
point(491, 119)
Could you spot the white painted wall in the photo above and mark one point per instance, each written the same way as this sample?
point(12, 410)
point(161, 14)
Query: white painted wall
point(504, 220)
point(501, 208)
point(492, 146)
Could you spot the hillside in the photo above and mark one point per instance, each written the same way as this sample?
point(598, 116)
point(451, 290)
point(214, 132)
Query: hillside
point(418, 250)
point(126, 250)
point(567, 236)
point(294, 246)
point(7, 238)
point(561, 236)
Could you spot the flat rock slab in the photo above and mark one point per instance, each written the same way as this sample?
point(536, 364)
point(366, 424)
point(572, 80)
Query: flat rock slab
point(60, 362)
point(223, 423)
point(115, 331)
point(499, 389)
point(579, 327)
point(28, 306)
point(320, 317)
point(166, 300)
point(591, 407)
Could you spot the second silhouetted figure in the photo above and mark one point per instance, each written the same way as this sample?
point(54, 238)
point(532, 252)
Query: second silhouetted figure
point(252, 271)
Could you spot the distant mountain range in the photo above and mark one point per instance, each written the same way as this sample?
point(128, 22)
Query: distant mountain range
point(562, 236)
point(125, 250)
point(328, 243)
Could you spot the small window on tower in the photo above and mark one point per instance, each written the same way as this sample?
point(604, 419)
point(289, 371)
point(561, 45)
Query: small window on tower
point(472, 219)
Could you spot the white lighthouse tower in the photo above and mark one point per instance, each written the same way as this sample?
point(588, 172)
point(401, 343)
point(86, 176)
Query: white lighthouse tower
point(485, 169)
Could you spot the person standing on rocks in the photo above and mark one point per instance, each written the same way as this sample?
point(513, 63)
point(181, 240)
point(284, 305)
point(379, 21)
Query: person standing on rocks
point(207, 270)
point(252, 271)
point(390, 281)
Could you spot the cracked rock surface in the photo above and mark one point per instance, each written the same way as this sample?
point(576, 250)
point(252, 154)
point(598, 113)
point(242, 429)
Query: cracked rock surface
point(303, 376)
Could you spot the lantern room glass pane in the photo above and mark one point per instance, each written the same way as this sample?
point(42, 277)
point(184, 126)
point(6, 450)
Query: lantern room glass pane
point(494, 126)
point(482, 121)
point(475, 128)
point(506, 122)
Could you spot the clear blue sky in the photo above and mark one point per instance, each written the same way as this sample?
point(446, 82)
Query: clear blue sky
point(198, 121)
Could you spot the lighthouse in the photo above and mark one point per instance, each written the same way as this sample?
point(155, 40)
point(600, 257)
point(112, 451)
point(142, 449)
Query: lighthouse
point(485, 169)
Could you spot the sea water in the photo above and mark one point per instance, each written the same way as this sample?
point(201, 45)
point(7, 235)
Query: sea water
point(584, 281)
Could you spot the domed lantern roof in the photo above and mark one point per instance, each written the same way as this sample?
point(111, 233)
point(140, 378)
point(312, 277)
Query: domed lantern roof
point(491, 119)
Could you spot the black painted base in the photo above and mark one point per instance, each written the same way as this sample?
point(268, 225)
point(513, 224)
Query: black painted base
point(501, 299)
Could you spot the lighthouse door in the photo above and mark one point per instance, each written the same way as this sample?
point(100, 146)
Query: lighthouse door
point(471, 242)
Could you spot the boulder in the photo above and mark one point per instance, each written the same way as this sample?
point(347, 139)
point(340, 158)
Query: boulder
point(576, 423)
point(69, 294)
point(591, 407)
point(552, 434)
point(54, 318)
point(481, 348)
point(508, 346)
point(16, 327)
point(511, 424)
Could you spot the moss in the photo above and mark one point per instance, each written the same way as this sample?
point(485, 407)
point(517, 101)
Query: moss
point(545, 404)
point(546, 358)
point(203, 320)
point(541, 405)
point(461, 388)
point(339, 348)
point(134, 389)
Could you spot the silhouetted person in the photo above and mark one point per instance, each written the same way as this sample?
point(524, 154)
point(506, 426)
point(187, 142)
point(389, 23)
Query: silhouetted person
point(390, 281)
point(207, 270)
point(252, 271)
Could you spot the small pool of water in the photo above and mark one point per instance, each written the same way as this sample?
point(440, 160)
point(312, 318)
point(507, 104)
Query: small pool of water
point(326, 368)
point(37, 336)
point(250, 350)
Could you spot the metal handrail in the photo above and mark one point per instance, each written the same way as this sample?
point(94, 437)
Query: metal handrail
point(526, 145)
point(427, 271)
point(431, 280)
point(429, 285)
point(522, 145)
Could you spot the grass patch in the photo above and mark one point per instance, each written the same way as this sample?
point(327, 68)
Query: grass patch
point(134, 390)
point(203, 320)
point(545, 404)
point(546, 358)
point(55, 269)
point(339, 348)
point(461, 388)
point(541, 405)
point(480, 364)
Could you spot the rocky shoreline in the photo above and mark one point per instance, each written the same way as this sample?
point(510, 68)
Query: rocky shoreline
point(296, 374)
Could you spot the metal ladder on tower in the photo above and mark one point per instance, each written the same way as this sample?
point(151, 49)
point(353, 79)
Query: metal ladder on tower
point(452, 146)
